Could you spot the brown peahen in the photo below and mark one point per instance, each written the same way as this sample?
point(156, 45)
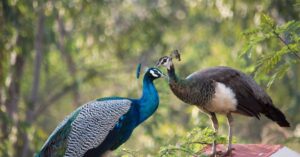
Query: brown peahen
point(222, 90)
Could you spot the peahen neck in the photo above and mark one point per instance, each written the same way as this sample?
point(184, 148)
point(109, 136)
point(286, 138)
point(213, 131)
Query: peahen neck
point(173, 79)
point(149, 100)
point(178, 86)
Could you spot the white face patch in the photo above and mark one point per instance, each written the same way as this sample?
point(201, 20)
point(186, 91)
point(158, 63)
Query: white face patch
point(153, 73)
point(168, 63)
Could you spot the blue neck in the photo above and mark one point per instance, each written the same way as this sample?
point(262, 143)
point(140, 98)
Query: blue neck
point(149, 101)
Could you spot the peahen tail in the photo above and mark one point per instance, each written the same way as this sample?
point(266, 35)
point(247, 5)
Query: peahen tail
point(276, 115)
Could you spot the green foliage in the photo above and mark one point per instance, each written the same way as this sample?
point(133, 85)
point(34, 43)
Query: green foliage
point(125, 152)
point(292, 142)
point(281, 57)
point(192, 144)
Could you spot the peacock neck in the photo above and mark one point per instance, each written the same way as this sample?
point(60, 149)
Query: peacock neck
point(149, 101)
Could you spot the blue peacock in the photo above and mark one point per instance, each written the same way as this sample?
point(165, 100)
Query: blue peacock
point(102, 125)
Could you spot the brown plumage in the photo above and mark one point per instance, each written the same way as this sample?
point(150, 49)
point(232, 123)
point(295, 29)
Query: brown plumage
point(252, 99)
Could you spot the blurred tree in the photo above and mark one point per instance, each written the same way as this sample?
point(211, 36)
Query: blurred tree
point(275, 49)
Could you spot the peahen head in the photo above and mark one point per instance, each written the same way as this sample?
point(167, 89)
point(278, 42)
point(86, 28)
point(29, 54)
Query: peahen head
point(154, 73)
point(166, 61)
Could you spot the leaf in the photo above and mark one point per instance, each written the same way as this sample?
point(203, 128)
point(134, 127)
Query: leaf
point(267, 20)
point(192, 144)
point(285, 27)
point(280, 72)
point(292, 26)
point(251, 32)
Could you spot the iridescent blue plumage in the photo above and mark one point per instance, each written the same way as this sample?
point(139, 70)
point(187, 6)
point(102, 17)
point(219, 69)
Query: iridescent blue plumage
point(103, 124)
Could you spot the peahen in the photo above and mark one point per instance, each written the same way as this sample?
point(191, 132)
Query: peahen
point(102, 125)
point(222, 90)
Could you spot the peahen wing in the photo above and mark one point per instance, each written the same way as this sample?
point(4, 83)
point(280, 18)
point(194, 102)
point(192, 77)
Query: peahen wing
point(94, 122)
point(251, 98)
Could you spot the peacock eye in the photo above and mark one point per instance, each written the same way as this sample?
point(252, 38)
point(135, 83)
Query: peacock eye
point(154, 73)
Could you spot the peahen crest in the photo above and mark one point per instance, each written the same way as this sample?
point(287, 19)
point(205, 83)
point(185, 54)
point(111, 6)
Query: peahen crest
point(176, 54)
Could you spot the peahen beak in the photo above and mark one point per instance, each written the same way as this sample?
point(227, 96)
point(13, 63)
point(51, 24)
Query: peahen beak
point(164, 76)
point(157, 64)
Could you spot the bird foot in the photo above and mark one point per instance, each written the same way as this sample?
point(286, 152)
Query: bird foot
point(225, 154)
point(215, 154)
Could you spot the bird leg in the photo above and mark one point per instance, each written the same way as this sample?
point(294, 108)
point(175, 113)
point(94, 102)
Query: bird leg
point(229, 147)
point(216, 127)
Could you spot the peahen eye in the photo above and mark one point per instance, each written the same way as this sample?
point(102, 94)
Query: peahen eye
point(163, 61)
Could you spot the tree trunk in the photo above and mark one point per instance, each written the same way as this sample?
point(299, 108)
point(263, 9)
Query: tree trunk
point(13, 93)
point(31, 103)
point(68, 58)
point(3, 75)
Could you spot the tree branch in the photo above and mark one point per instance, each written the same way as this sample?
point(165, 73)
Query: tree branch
point(38, 46)
point(67, 56)
point(285, 43)
point(179, 149)
point(64, 90)
point(198, 142)
point(13, 91)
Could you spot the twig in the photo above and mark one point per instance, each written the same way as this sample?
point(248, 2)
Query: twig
point(197, 142)
point(186, 150)
point(132, 153)
point(64, 90)
point(285, 43)
point(179, 149)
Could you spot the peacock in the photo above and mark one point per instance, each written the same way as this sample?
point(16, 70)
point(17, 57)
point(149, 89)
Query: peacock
point(222, 90)
point(102, 125)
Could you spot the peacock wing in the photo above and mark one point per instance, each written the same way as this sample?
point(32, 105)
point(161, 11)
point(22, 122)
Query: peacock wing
point(57, 141)
point(94, 122)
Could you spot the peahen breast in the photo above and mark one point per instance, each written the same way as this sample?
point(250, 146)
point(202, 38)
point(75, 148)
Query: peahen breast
point(193, 91)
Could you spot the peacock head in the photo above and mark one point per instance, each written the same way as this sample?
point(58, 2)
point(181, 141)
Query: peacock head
point(166, 61)
point(154, 73)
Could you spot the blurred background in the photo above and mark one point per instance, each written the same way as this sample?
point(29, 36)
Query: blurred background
point(57, 55)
